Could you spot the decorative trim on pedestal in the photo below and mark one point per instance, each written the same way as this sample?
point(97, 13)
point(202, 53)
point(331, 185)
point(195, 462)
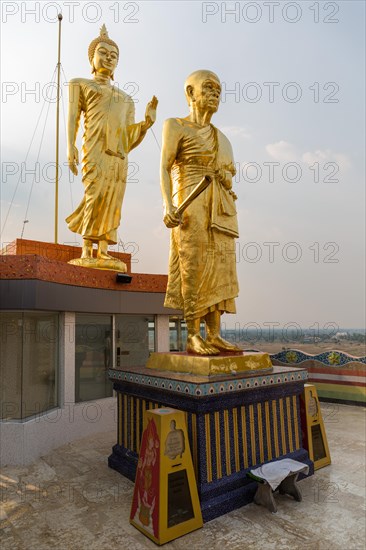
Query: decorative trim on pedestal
point(209, 388)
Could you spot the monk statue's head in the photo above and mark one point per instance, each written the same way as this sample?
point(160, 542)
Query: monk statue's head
point(103, 54)
point(203, 89)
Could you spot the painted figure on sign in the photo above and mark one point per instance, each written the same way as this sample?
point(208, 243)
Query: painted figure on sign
point(174, 443)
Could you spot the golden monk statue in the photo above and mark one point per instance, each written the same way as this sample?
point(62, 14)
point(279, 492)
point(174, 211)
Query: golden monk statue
point(110, 134)
point(202, 267)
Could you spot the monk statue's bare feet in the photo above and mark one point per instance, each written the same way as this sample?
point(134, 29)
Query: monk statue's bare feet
point(104, 256)
point(87, 250)
point(102, 253)
point(221, 344)
point(196, 344)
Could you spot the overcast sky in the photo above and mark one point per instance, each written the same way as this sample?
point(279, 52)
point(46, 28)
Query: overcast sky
point(292, 105)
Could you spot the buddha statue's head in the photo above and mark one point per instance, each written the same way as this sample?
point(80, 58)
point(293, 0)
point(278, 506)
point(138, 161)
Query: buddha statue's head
point(203, 89)
point(103, 54)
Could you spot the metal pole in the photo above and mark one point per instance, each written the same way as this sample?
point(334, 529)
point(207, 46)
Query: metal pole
point(57, 126)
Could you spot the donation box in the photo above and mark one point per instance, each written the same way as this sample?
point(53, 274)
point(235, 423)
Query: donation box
point(165, 502)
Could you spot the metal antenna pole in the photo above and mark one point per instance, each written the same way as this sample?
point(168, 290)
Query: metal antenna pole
point(57, 126)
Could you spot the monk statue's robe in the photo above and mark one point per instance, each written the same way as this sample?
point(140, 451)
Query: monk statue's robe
point(202, 265)
point(110, 133)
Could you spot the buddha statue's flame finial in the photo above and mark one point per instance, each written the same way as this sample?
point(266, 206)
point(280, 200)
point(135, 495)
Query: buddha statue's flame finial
point(103, 31)
point(103, 37)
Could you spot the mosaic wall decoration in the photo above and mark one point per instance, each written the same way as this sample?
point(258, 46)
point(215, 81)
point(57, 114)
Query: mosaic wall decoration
point(338, 376)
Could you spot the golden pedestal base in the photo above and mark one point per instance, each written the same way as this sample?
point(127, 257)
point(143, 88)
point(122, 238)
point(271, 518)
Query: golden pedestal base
point(228, 363)
point(113, 264)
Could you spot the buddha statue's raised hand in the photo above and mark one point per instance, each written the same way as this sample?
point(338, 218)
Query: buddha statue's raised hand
point(150, 113)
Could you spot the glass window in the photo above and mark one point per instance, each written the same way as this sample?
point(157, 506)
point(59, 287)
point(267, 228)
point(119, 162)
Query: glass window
point(93, 356)
point(178, 333)
point(29, 359)
point(151, 328)
point(135, 339)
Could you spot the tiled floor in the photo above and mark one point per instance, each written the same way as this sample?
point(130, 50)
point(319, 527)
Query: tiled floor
point(70, 499)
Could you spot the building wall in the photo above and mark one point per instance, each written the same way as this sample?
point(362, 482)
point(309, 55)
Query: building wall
point(22, 442)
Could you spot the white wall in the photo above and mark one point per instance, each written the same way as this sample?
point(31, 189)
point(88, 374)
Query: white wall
point(24, 442)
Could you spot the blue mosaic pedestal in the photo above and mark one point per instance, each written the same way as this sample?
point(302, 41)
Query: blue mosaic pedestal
point(235, 422)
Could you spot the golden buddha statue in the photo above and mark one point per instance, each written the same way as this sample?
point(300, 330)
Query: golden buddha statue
point(202, 266)
point(110, 134)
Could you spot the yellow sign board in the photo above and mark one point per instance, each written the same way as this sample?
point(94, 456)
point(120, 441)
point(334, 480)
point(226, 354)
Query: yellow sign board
point(165, 502)
point(313, 430)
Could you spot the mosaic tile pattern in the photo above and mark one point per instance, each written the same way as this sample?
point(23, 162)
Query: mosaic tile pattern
point(339, 377)
point(209, 388)
point(328, 358)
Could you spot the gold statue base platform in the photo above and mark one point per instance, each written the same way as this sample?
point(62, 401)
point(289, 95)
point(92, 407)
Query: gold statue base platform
point(207, 365)
point(113, 264)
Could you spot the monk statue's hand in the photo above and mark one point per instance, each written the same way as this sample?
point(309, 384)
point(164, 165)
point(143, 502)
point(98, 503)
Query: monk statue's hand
point(225, 178)
point(171, 219)
point(73, 159)
point(150, 113)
